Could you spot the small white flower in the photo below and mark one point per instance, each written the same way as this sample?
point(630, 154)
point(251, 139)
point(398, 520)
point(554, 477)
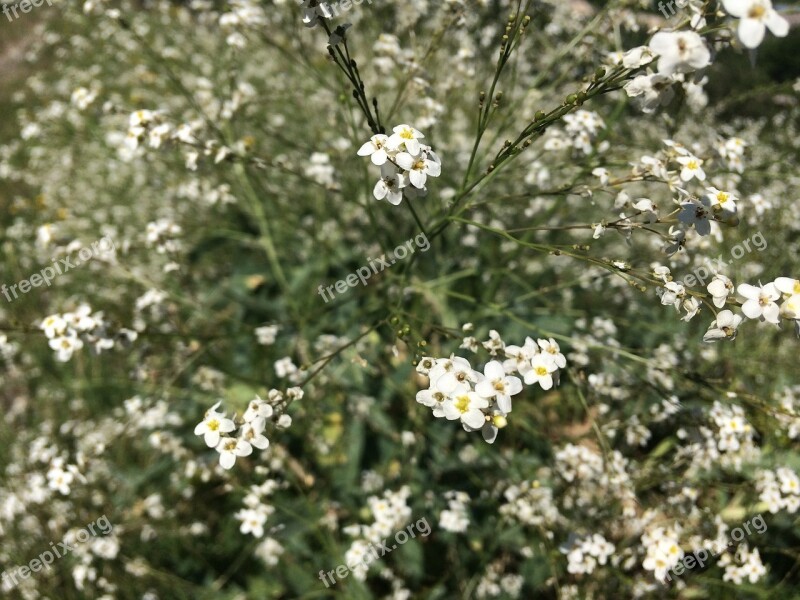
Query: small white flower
point(212, 425)
point(696, 212)
point(540, 371)
point(680, 52)
point(419, 166)
point(725, 200)
point(756, 16)
point(760, 302)
point(498, 385)
point(723, 327)
point(65, 345)
point(390, 186)
point(375, 148)
point(408, 136)
point(266, 334)
point(230, 448)
point(466, 406)
point(53, 326)
point(692, 168)
point(252, 433)
point(720, 288)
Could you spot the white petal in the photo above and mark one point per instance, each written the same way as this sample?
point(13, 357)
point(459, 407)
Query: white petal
point(777, 24)
point(504, 403)
point(417, 178)
point(405, 160)
point(751, 32)
point(366, 149)
point(494, 370)
point(751, 309)
point(227, 460)
point(772, 313)
point(736, 8)
point(748, 291)
point(380, 190)
point(434, 169)
point(486, 389)
point(474, 418)
point(379, 158)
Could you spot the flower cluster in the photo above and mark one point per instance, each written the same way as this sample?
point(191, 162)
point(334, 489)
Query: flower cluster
point(758, 303)
point(663, 551)
point(456, 516)
point(483, 400)
point(390, 513)
point(742, 564)
point(585, 554)
point(405, 163)
point(215, 426)
point(779, 489)
point(70, 331)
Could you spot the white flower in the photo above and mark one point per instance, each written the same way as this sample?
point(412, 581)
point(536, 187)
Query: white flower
point(466, 406)
point(53, 326)
point(266, 334)
point(756, 16)
point(314, 11)
point(760, 301)
point(405, 134)
point(787, 285)
point(790, 309)
point(257, 409)
point(65, 345)
point(720, 288)
point(637, 57)
point(498, 385)
point(552, 348)
point(230, 448)
point(725, 200)
point(697, 213)
point(651, 91)
point(252, 521)
point(673, 294)
point(724, 327)
point(212, 425)
point(647, 207)
point(252, 433)
point(540, 371)
point(680, 52)
point(375, 148)
point(419, 166)
point(692, 168)
point(390, 186)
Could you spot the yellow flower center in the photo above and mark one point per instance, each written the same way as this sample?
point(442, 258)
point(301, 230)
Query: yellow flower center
point(757, 12)
point(407, 134)
point(213, 425)
point(722, 197)
point(541, 371)
point(692, 164)
point(462, 403)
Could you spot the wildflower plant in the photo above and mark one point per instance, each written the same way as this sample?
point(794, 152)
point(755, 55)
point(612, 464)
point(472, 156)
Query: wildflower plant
point(550, 384)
